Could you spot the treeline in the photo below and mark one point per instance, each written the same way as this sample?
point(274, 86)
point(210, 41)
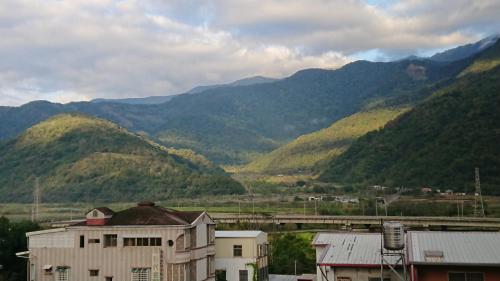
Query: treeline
point(12, 241)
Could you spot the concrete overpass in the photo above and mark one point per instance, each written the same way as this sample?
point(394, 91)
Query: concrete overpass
point(350, 222)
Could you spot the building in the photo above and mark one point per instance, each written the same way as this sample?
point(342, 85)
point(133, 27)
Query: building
point(240, 255)
point(454, 256)
point(142, 243)
point(350, 257)
point(303, 277)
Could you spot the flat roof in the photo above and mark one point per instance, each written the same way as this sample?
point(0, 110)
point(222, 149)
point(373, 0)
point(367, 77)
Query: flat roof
point(454, 248)
point(238, 234)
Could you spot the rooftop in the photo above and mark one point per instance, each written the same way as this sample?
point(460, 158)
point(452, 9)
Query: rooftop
point(350, 249)
point(238, 234)
point(147, 213)
point(454, 248)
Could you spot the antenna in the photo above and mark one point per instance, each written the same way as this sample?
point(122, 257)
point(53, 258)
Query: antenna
point(478, 196)
point(36, 201)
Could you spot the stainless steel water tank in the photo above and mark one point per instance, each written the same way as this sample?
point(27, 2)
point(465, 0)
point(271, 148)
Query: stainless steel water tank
point(393, 235)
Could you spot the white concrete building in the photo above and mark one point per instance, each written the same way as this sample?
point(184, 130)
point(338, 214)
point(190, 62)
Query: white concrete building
point(142, 243)
point(240, 255)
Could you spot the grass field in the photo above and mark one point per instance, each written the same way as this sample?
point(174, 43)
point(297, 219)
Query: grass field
point(267, 204)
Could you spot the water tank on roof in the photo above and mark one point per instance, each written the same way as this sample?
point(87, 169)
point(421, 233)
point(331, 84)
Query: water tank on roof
point(393, 235)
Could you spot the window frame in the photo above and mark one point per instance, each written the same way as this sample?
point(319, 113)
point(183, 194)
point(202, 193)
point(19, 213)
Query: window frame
point(465, 273)
point(240, 250)
point(112, 242)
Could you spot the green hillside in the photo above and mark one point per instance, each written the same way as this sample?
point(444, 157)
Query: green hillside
point(310, 150)
point(79, 158)
point(438, 143)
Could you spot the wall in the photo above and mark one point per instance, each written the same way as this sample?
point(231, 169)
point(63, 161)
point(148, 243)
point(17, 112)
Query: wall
point(356, 274)
point(435, 273)
point(224, 247)
point(114, 261)
point(233, 267)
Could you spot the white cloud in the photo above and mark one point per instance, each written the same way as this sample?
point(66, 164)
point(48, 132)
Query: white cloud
point(80, 49)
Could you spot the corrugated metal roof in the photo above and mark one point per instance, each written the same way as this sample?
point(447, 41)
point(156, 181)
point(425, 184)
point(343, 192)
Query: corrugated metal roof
point(350, 249)
point(458, 248)
point(238, 234)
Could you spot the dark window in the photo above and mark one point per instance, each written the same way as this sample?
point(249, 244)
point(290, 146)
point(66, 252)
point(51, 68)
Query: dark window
point(220, 275)
point(108, 278)
point(369, 279)
point(128, 242)
point(95, 214)
point(110, 240)
point(82, 241)
point(475, 276)
point(465, 276)
point(243, 275)
point(237, 250)
point(456, 276)
point(93, 272)
point(95, 241)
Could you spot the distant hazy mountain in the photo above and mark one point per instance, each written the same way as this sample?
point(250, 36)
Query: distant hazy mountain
point(79, 158)
point(162, 99)
point(146, 100)
point(465, 51)
point(439, 142)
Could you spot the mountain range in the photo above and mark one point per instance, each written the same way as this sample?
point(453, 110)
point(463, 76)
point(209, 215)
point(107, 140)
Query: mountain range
point(327, 122)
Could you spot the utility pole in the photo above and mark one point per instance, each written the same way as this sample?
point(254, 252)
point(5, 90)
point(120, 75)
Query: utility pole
point(478, 198)
point(35, 209)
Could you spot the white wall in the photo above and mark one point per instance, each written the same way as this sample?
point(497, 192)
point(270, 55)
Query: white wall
point(233, 267)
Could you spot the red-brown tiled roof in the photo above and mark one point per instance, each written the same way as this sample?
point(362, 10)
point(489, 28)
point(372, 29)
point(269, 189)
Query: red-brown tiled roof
point(146, 213)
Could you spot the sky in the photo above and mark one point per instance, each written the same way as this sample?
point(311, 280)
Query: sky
point(76, 50)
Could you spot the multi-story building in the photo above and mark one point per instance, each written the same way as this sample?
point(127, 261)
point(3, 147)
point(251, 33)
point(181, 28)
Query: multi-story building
point(241, 255)
point(142, 243)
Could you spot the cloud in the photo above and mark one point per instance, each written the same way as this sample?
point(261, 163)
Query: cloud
point(83, 49)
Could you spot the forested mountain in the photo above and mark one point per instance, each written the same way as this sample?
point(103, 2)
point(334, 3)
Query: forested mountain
point(162, 99)
point(79, 158)
point(230, 124)
point(438, 143)
point(311, 150)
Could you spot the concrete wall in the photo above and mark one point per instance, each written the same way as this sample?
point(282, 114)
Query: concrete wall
point(115, 262)
point(224, 259)
point(441, 273)
point(355, 274)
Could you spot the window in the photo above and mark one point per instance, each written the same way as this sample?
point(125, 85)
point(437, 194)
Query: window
point(237, 250)
point(193, 237)
point(211, 233)
point(210, 265)
point(192, 270)
point(343, 278)
point(220, 275)
point(82, 241)
point(108, 278)
point(179, 242)
point(94, 241)
point(375, 279)
point(141, 241)
point(62, 273)
point(465, 276)
point(93, 272)
point(110, 240)
point(95, 214)
point(243, 275)
point(141, 274)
